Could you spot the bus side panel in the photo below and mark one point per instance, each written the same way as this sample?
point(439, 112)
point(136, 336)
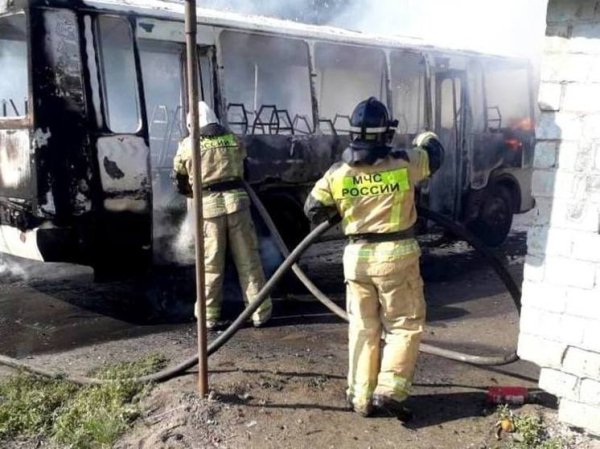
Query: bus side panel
point(63, 157)
point(15, 164)
point(60, 143)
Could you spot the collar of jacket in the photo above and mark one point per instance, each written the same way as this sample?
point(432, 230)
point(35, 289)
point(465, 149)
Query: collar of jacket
point(213, 130)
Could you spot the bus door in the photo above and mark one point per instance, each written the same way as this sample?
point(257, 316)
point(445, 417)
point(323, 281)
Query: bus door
point(165, 92)
point(123, 228)
point(449, 124)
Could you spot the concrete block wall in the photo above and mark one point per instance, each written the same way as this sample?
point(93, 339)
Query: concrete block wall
point(560, 322)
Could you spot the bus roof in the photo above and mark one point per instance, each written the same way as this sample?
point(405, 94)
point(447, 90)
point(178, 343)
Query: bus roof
point(174, 10)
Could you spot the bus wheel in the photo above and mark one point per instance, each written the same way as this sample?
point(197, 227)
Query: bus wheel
point(495, 216)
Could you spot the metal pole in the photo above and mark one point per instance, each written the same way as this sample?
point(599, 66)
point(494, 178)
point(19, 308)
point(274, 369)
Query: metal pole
point(192, 76)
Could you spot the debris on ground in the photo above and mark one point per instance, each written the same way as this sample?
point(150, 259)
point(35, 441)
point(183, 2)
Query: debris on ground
point(521, 430)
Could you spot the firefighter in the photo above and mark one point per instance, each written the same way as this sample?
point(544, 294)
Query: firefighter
point(226, 210)
point(372, 191)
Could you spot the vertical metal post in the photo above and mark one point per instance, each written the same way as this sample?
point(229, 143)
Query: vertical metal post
point(192, 76)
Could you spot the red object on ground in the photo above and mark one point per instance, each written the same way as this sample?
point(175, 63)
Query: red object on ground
point(507, 395)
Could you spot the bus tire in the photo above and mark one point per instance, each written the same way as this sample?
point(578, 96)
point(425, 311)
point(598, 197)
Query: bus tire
point(494, 220)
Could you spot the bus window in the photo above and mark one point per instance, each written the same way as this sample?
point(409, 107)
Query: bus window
point(449, 103)
point(266, 84)
point(14, 76)
point(119, 82)
point(507, 94)
point(476, 111)
point(207, 89)
point(346, 76)
point(162, 74)
point(408, 92)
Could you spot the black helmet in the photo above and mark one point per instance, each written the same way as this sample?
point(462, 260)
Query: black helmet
point(370, 125)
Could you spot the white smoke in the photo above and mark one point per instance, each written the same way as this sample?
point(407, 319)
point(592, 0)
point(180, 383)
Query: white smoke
point(10, 271)
point(509, 27)
point(185, 240)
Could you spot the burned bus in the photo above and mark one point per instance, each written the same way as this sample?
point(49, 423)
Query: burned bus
point(92, 106)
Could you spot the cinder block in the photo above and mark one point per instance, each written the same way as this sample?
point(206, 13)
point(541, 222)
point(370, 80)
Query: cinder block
point(591, 126)
point(580, 97)
point(572, 329)
point(591, 339)
point(541, 241)
point(559, 242)
point(580, 415)
point(534, 269)
point(542, 212)
point(577, 213)
point(542, 324)
point(557, 38)
point(542, 183)
point(544, 297)
point(559, 384)
point(568, 155)
point(585, 38)
point(582, 363)
point(586, 246)
point(569, 125)
point(583, 303)
point(569, 272)
point(559, 125)
point(570, 185)
point(537, 240)
point(594, 73)
point(553, 67)
point(549, 96)
point(545, 154)
point(563, 68)
point(593, 187)
point(541, 351)
point(554, 326)
point(589, 391)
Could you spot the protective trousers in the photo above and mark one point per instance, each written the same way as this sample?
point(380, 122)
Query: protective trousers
point(237, 229)
point(392, 306)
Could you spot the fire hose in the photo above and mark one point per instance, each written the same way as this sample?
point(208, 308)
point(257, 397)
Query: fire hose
point(290, 262)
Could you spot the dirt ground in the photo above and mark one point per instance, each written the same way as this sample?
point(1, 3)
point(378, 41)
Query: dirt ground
point(281, 386)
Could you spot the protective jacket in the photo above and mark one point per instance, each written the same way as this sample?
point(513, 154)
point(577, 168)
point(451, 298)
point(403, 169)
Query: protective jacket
point(374, 199)
point(222, 166)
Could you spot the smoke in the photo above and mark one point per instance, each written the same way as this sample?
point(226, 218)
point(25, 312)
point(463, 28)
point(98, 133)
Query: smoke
point(10, 271)
point(509, 27)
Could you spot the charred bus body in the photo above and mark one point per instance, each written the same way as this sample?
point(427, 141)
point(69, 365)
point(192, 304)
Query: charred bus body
point(92, 105)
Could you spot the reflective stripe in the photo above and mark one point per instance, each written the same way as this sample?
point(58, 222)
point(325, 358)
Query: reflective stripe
point(393, 181)
point(213, 313)
point(358, 129)
point(425, 173)
point(394, 385)
point(396, 212)
point(227, 141)
point(381, 252)
point(360, 395)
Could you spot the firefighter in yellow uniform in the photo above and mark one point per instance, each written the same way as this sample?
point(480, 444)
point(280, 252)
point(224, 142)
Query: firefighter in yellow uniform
point(227, 218)
point(373, 192)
